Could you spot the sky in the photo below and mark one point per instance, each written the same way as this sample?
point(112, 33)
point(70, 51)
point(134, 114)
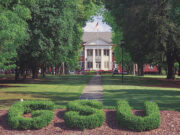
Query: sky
point(91, 25)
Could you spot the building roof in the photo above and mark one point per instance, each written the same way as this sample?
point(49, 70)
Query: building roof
point(90, 36)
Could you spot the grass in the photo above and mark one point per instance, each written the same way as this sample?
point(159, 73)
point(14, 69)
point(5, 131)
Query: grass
point(60, 90)
point(136, 90)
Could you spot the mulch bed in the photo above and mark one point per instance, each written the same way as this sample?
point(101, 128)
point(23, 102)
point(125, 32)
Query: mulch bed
point(170, 126)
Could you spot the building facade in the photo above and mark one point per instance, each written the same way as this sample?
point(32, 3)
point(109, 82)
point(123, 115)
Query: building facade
point(97, 52)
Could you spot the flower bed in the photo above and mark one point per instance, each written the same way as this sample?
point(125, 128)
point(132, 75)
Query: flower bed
point(126, 119)
point(83, 114)
point(42, 114)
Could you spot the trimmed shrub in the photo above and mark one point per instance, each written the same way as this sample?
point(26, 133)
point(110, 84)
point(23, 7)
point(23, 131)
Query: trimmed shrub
point(42, 114)
point(107, 72)
point(90, 73)
point(126, 119)
point(83, 114)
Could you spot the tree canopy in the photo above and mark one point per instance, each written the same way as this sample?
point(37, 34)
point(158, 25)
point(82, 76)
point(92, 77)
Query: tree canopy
point(43, 33)
point(150, 29)
point(13, 30)
point(38, 34)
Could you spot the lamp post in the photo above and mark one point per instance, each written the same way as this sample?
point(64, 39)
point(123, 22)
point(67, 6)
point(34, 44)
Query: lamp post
point(122, 46)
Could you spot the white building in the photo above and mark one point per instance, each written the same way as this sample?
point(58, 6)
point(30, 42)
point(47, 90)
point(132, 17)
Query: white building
point(97, 51)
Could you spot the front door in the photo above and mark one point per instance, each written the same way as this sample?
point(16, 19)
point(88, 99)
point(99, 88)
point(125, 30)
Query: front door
point(98, 65)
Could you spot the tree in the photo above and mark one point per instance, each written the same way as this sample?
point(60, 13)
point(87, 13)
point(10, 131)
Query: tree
point(13, 31)
point(132, 19)
point(147, 29)
point(175, 17)
point(55, 35)
point(117, 36)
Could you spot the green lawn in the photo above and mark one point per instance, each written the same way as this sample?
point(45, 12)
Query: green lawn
point(58, 89)
point(139, 89)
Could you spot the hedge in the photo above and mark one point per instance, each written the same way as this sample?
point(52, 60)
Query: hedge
point(126, 119)
point(83, 114)
point(42, 114)
point(90, 73)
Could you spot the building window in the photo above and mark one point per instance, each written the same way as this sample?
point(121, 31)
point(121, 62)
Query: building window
point(106, 52)
point(98, 52)
point(90, 65)
point(106, 64)
point(98, 65)
point(89, 52)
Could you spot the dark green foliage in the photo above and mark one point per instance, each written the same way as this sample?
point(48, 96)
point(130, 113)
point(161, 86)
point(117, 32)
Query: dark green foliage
point(42, 114)
point(55, 32)
point(84, 114)
point(150, 29)
point(13, 31)
point(126, 119)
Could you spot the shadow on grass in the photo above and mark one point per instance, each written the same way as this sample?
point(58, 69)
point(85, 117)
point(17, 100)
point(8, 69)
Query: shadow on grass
point(7, 103)
point(166, 100)
point(9, 86)
point(140, 81)
point(59, 98)
point(55, 80)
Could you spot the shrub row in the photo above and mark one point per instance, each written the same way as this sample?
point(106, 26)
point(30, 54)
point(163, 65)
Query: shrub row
point(42, 114)
point(83, 114)
point(90, 73)
point(126, 119)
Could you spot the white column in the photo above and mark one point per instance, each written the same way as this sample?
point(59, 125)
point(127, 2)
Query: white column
point(85, 57)
point(102, 60)
point(110, 57)
point(94, 59)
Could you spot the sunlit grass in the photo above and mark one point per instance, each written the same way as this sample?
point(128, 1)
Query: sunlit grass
point(58, 89)
point(139, 89)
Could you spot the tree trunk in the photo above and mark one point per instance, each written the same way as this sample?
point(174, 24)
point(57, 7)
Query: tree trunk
point(66, 69)
point(179, 69)
point(170, 72)
point(170, 63)
point(134, 69)
point(35, 71)
point(16, 74)
point(140, 70)
point(44, 71)
point(25, 75)
point(52, 71)
point(160, 70)
point(63, 68)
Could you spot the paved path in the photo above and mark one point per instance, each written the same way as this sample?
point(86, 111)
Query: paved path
point(93, 90)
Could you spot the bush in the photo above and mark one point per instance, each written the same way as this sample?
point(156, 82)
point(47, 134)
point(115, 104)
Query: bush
point(83, 114)
point(107, 72)
point(42, 114)
point(90, 73)
point(126, 119)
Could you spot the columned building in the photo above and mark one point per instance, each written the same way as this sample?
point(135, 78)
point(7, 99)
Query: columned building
point(97, 52)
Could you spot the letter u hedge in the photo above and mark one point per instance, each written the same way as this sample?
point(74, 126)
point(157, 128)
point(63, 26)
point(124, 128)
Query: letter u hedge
point(126, 119)
point(83, 114)
point(42, 114)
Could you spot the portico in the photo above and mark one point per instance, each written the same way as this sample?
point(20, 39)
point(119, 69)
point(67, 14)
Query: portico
point(98, 54)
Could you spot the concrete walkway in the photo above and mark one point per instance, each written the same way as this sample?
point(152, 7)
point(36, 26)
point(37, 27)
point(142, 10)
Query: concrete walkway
point(94, 90)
